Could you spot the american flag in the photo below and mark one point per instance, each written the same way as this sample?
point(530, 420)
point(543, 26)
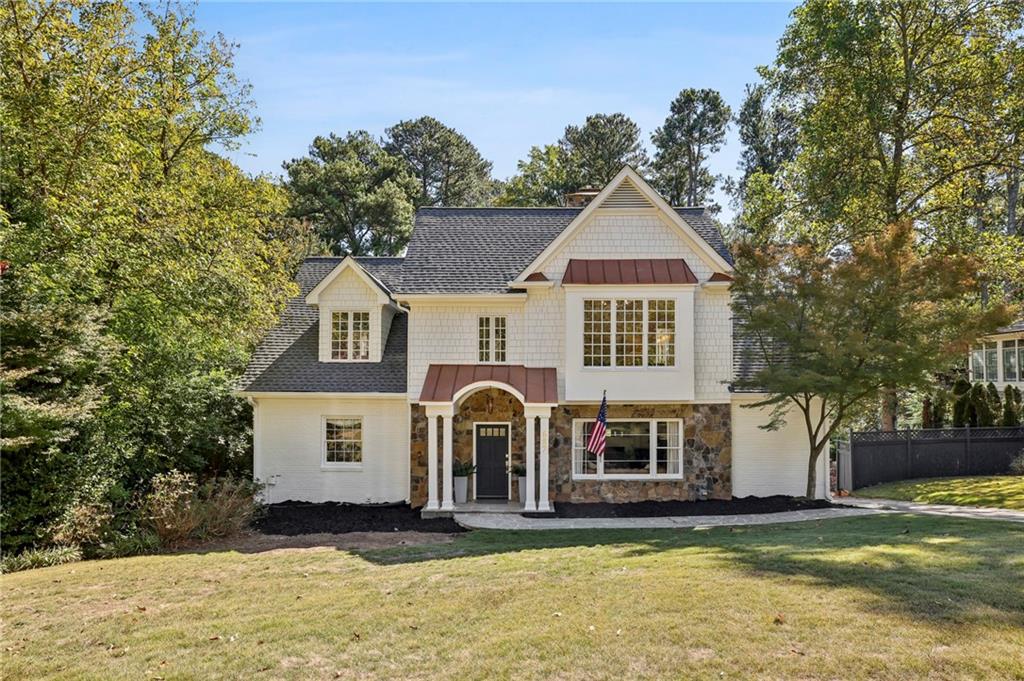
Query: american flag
point(596, 444)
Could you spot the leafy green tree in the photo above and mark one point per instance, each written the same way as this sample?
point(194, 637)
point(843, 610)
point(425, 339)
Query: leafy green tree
point(449, 169)
point(900, 105)
point(596, 151)
point(904, 108)
point(138, 260)
point(695, 129)
point(832, 331)
point(542, 180)
point(358, 197)
point(768, 133)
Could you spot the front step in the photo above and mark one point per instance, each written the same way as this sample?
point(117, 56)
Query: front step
point(484, 507)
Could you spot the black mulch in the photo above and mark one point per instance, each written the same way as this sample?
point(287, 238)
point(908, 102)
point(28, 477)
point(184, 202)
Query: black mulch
point(655, 509)
point(296, 517)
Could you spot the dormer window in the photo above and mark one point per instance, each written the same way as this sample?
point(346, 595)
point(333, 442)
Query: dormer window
point(491, 340)
point(350, 336)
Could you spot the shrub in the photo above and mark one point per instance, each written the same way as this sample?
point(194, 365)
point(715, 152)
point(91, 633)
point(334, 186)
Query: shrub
point(37, 558)
point(980, 408)
point(461, 469)
point(180, 512)
point(1017, 465)
point(1012, 411)
point(519, 470)
point(961, 402)
point(136, 543)
point(82, 524)
point(939, 410)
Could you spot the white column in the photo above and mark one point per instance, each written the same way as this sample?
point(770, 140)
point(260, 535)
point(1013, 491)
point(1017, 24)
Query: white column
point(432, 504)
point(448, 482)
point(531, 477)
point(543, 503)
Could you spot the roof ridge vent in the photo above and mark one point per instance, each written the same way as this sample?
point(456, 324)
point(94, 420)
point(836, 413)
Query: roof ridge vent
point(626, 195)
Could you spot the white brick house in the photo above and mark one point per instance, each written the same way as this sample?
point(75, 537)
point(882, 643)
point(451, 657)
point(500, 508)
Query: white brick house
point(492, 342)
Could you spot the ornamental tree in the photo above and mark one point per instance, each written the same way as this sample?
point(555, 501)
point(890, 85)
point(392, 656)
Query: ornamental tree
point(831, 331)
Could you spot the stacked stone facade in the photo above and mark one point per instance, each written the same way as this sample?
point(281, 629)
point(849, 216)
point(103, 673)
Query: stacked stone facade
point(707, 448)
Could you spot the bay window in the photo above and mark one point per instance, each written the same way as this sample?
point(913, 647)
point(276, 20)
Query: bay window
point(634, 449)
point(350, 335)
point(629, 332)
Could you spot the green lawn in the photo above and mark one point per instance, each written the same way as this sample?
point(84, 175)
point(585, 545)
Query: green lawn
point(893, 597)
point(997, 491)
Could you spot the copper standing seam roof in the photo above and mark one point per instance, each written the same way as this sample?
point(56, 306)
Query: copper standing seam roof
point(645, 271)
point(538, 385)
point(720, 276)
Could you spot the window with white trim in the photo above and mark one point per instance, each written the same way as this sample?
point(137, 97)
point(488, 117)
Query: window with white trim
point(492, 339)
point(1013, 355)
point(629, 332)
point(634, 449)
point(350, 335)
point(343, 441)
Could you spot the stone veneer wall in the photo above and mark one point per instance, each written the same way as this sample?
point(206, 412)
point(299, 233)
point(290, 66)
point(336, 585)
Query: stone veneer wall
point(489, 405)
point(707, 455)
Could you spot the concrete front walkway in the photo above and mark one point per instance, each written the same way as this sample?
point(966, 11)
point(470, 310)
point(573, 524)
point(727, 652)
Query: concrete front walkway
point(493, 521)
point(975, 512)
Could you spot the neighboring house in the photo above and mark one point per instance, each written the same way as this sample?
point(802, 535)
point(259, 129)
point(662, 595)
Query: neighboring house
point(999, 358)
point(493, 340)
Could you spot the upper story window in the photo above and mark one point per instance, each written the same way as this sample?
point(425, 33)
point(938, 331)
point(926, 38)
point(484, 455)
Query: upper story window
point(492, 339)
point(630, 332)
point(350, 335)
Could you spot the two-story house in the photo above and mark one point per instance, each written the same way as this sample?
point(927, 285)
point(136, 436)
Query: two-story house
point(493, 339)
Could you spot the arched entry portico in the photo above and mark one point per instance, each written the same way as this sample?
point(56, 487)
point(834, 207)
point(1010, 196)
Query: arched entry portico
point(446, 387)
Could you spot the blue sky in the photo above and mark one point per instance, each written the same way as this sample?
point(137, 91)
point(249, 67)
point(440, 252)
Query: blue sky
point(506, 76)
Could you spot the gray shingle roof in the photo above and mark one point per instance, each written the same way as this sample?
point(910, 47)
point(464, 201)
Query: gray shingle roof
point(746, 361)
point(1016, 327)
point(480, 250)
point(452, 250)
point(288, 358)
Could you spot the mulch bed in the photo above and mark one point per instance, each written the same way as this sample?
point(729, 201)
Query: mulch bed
point(295, 517)
point(657, 509)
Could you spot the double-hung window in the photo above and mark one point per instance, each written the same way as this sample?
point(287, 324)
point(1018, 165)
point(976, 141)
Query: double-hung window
point(350, 335)
point(634, 449)
point(1013, 356)
point(343, 442)
point(629, 332)
point(492, 339)
point(985, 362)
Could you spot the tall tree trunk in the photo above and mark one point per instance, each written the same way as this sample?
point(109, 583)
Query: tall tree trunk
point(1012, 199)
point(812, 469)
point(890, 403)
